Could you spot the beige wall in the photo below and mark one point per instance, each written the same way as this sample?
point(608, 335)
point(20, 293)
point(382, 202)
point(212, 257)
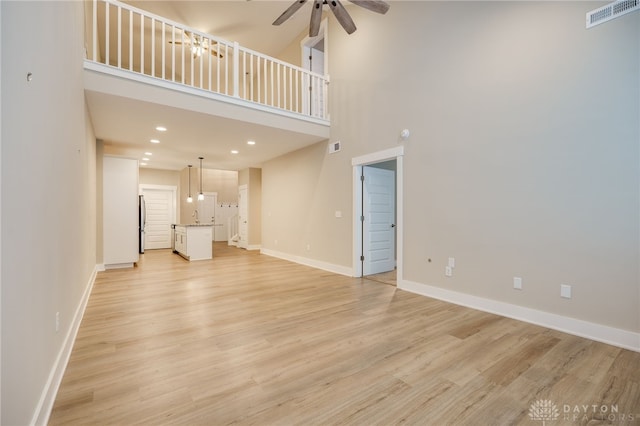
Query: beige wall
point(515, 166)
point(159, 177)
point(252, 177)
point(300, 193)
point(223, 182)
point(49, 218)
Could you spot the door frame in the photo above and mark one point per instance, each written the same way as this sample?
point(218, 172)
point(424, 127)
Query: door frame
point(357, 163)
point(174, 196)
point(309, 42)
point(306, 44)
point(245, 187)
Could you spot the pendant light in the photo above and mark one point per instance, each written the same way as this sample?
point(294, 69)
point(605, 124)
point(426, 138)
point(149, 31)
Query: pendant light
point(189, 199)
point(201, 195)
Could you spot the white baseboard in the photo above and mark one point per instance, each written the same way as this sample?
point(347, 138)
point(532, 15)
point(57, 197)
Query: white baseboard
point(254, 247)
point(600, 333)
point(119, 265)
point(48, 397)
point(325, 266)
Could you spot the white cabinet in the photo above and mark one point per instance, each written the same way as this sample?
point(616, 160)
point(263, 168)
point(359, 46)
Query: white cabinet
point(119, 212)
point(193, 242)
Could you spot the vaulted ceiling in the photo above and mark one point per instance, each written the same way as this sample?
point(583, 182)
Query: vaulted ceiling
point(126, 125)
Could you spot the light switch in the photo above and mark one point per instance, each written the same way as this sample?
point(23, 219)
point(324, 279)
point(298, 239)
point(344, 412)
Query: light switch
point(517, 283)
point(452, 262)
point(338, 213)
point(565, 291)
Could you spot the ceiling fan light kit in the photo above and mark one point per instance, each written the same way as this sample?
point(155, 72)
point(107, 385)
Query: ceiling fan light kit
point(341, 14)
point(196, 44)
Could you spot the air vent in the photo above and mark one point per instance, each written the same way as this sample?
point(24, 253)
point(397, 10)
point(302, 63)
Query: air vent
point(611, 11)
point(334, 147)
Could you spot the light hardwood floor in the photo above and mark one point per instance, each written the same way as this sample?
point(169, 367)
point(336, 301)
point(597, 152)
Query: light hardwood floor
point(250, 339)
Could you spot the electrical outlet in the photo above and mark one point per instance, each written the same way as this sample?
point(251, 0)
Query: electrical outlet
point(517, 283)
point(57, 321)
point(565, 291)
point(308, 247)
point(448, 271)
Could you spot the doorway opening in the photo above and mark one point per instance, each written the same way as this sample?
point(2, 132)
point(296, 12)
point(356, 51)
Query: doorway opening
point(159, 215)
point(377, 206)
point(315, 59)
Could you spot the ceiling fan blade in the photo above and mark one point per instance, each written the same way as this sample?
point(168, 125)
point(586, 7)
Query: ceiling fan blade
point(215, 52)
point(289, 12)
point(377, 6)
point(342, 16)
point(316, 16)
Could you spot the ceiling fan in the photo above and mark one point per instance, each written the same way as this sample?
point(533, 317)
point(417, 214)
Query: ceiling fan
point(197, 44)
point(341, 14)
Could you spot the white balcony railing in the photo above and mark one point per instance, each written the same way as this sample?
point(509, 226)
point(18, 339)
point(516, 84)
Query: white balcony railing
point(132, 39)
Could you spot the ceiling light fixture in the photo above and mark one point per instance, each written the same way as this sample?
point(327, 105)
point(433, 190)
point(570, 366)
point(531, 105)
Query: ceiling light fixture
point(189, 199)
point(235, 151)
point(143, 164)
point(148, 154)
point(145, 159)
point(200, 195)
point(154, 141)
point(251, 142)
point(161, 129)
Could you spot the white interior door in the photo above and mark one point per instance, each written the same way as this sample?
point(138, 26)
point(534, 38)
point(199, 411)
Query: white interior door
point(243, 216)
point(159, 216)
point(378, 226)
point(207, 210)
point(313, 59)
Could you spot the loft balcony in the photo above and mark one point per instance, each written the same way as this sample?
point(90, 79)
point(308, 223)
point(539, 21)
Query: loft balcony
point(131, 53)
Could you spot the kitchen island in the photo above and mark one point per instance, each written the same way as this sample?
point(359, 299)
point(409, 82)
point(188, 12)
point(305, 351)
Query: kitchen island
point(193, 242)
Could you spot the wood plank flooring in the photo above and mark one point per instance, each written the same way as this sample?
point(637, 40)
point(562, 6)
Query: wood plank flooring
point(248, 339)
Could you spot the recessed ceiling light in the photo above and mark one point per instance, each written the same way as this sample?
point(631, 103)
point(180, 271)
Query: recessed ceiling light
point(234, 151)
point(154, 141)
point(251, 142)
point(145, 159)
point(161, 129)
point(148, 153)
point(143, 164)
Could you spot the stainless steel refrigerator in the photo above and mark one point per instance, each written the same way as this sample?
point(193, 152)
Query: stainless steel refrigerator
point(142, 219)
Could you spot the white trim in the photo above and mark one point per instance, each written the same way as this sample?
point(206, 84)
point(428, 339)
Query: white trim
point(48, 396)
point(312, 41)
point(325, 266)
point(241, 243)
point(174, 194)
point(395, 153)
point(379, 156)
point(254, 247)
point(600, 333)
point(119, 265)
point(155, 81)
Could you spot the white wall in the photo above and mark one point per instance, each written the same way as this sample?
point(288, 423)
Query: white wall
point(523, 158)
point(48, 197)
